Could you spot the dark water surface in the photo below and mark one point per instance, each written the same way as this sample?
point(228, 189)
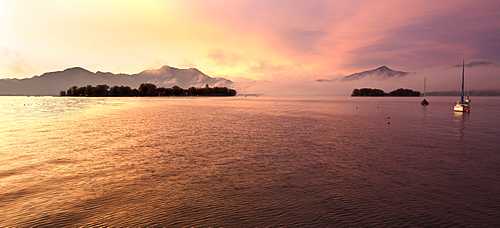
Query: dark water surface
point(248, 162)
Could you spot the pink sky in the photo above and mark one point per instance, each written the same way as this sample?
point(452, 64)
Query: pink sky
point(279, 40)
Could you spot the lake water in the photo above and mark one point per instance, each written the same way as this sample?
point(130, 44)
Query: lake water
point(249, 162)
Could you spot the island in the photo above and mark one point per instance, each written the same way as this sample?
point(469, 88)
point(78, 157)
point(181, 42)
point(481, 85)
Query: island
point(369, 92)
point(145, 90)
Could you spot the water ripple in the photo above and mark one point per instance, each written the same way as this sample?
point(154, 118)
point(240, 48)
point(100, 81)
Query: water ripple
point(172, 162)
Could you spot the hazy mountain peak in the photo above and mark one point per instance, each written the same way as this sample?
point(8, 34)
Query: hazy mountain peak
point(384, 67)
point(380, 73)
point(169, 68)
point(76, 69)
point(194, 69)
point(166, 67)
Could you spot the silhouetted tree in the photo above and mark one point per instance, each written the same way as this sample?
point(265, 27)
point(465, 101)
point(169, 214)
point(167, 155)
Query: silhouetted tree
point(368, 92)
point(89, 91)
point(404, 93)
point(81, 91)
point(231, 92)
point(135, 92)
point(101, 90)
point(168, 92)
point(120, 91)
point(147, 89)
point(114, 91)
point(192, 91)
point(176, 91)
point(378, 93)
point(73, 91)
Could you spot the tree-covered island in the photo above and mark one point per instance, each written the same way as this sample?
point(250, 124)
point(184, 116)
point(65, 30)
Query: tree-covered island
point(369, 92)
point(145, 90)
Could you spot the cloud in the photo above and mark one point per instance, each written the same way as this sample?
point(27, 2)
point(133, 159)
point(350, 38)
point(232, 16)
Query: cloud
point(426, 36)
point(302, 41)
point(269, 68)
point(260, 66)
point(12, 62)
point(185, 63)
point(479, 64)
point(225, 58)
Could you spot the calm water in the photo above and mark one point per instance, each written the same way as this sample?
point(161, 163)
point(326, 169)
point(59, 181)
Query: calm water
point(248, 162)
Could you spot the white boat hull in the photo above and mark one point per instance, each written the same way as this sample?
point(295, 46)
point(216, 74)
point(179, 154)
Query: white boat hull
point(461, 108)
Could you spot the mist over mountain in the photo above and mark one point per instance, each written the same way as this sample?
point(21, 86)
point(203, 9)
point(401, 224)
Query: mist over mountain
point(53, 82)
point(439, 78)
point(380, 73)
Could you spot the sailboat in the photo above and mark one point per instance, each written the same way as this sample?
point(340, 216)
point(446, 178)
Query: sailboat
point(424, 102)
point(462, 105)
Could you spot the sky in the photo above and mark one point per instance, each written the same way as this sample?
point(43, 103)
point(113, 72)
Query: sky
point(292, 42)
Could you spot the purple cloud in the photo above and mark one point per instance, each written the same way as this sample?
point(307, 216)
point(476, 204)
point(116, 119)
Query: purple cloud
point(436, 39)
point(479, 64)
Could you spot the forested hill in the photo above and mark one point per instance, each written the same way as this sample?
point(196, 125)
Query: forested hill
point(145, 90)
point(369, 92)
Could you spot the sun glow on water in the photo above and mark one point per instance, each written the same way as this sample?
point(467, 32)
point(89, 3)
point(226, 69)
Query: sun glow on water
point(243, 161)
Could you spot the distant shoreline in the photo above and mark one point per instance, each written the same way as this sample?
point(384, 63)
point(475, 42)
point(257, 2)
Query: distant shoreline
point(369, 92)
point(476, 93)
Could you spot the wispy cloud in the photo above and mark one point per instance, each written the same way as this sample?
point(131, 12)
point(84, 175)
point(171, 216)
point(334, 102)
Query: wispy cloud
point(479, 64)
point(303, 41)
point(12, 63)
point(225, 58)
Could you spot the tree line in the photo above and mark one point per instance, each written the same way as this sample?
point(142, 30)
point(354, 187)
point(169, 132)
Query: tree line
point(369, 92)
point(144, 90)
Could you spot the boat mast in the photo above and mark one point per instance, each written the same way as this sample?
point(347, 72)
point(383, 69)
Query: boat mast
point(424, 86)
point(468, 91)
point(463, 71)
point(425, 79)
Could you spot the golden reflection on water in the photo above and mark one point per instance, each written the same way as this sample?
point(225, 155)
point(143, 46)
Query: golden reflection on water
point(49, 165)
point(239, 162)
point(461, 118)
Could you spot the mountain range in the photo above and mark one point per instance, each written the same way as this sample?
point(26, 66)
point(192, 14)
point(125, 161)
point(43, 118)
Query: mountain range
point(380, 73)
point(53, 82)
